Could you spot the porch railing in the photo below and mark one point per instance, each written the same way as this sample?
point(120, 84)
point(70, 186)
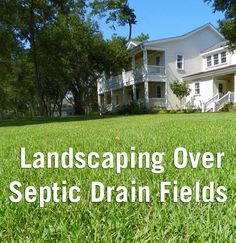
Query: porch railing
point(216, 103)
point(224, 100)
point(132, 76)
point(157, 102)
point(210, 103)
point(156, 70)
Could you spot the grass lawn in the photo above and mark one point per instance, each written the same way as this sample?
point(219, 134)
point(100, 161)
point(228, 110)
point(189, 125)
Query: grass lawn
point(125, 222)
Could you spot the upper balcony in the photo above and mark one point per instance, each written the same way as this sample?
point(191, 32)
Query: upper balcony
point(147, 66)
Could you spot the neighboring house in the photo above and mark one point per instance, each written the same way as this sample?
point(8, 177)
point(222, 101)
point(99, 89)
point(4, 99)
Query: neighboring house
point(67, 109)
point(200, 58)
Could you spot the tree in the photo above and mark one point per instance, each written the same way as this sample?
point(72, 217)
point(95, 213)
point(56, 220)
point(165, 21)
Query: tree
point(227, 25)
point(142, 37)
point(64, 49)
point(117, 11)
point(180, 89)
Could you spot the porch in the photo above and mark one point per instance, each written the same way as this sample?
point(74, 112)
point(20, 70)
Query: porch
point(224, 90)
point(149, 94)
point(147, 66)
point(212, 90)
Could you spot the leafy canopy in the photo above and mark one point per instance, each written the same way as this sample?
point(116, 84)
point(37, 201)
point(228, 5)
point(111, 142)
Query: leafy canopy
point(227, 25)
point(180, 89)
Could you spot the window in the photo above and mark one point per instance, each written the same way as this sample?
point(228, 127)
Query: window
point(208, 61)
point(158, 91)
point(180, 62)
point(223, 57)
point(137, 94)
point(117, 100)
point(197, 88)
point(158, 61)
point(216, 59)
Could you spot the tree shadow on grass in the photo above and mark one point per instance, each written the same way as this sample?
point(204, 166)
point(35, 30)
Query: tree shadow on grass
point(44, 120)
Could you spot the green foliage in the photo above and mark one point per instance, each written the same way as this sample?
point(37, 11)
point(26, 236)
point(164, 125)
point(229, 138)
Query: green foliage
point(132, 108)
point(64, 48)
point(142, 37)
point(180, 89)
point(116, 11)
point(227, 25)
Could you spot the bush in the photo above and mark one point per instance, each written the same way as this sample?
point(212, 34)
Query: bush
point(132, 108)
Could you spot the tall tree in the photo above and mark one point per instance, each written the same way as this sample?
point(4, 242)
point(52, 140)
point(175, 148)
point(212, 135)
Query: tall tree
point(227, 25)
point(116, 11)
point(64, 49)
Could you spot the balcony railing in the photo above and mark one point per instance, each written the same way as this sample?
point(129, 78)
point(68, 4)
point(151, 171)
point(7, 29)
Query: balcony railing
point(156, 70)
point(130, 77)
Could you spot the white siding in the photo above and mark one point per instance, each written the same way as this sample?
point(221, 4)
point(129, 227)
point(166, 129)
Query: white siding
point(190, 48)
point(206, 92)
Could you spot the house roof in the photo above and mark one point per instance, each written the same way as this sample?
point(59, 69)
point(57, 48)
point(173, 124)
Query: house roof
point(219, 71)
point(186, 35)
point(216, 46)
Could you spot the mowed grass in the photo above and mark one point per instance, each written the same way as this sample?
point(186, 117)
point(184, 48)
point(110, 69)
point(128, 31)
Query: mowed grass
point(114, 222)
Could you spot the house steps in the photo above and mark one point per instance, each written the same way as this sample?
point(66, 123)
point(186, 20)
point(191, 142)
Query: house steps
point(217, 103)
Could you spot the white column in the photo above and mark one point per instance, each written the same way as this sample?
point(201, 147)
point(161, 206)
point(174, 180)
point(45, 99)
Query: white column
point(134, 92)
point(105, 99)
point(166, 92)
point(99, 103)
point(99, 100)
point(123, 76)
point(146, 95)
point(145, 61)
point(124, 100)
point(145, 67)
point(235, 88)
point(133, 62)
point(112, 100)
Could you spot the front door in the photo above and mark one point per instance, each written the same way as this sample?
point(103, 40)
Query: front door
point(221, 89)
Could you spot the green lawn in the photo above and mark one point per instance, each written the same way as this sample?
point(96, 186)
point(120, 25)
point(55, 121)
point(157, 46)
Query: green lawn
point(110, 222)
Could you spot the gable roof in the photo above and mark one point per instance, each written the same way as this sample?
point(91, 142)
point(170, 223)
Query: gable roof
point(181, 37)
point(132, 44)
point(216, 46)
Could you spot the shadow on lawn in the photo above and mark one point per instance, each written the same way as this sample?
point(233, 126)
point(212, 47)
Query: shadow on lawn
point(43, 120)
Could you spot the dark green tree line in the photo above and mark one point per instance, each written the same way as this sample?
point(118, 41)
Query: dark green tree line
point(52, 48)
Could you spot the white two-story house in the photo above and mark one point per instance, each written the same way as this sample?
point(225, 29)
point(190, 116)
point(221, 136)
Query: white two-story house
point(200, 58)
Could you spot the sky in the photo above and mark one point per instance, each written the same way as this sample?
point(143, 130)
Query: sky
point(162, 18)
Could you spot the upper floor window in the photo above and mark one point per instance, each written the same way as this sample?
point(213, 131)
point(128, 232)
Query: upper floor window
point(197, 88)
point(179, 62)
point(158, 61)
point(223, 57)
point(216, 59)
point(209, 61)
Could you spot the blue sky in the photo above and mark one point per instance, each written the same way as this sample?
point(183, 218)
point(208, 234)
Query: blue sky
point(162, 18)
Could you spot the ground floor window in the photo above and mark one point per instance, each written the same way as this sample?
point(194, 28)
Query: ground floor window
point(117, 99)
point(158, 91)
point(137, 93)
point(197, 88)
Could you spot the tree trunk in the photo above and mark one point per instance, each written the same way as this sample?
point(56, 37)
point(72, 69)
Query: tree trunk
point(78, 101)
point(43, 112)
